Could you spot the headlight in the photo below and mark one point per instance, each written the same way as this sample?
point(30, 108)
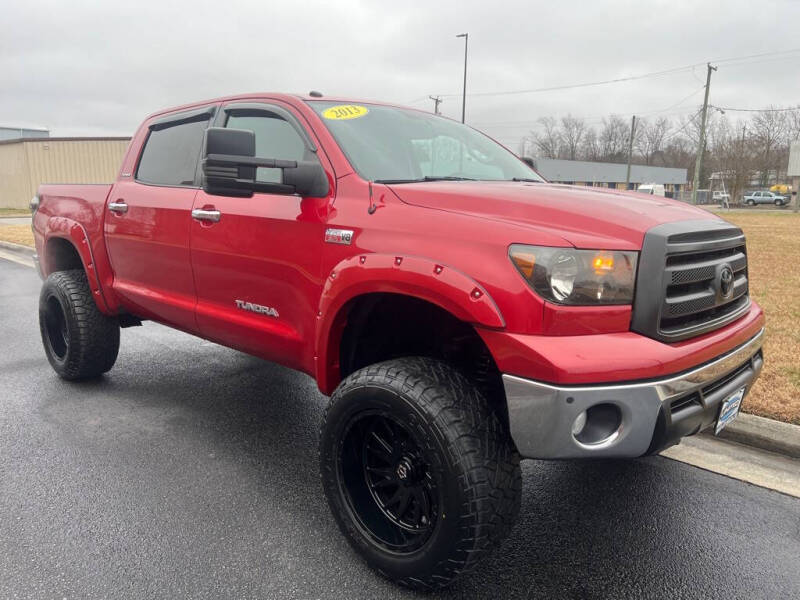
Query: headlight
point(577, 277)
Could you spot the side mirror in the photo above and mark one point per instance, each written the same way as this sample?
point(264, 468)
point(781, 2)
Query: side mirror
point(229, 168)
point(528, 161)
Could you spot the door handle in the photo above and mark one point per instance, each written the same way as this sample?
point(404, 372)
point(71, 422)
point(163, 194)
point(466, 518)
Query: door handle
point(118, 207)
point(201, 214)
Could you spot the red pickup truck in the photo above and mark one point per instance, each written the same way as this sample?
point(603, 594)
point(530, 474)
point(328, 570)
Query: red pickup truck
point(460, 311)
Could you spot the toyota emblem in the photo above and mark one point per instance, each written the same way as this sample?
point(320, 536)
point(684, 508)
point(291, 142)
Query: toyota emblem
point(726, 281)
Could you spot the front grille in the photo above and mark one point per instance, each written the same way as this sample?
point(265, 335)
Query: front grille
point(683, 272)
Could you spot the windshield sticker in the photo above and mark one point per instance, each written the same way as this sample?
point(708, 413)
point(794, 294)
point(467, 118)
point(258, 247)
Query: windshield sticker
point(345, 111)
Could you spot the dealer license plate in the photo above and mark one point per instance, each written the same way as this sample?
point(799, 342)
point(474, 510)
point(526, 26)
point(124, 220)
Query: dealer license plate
point(729, 410)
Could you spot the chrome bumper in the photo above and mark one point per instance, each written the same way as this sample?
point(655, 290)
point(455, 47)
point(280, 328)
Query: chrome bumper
point(653, 414)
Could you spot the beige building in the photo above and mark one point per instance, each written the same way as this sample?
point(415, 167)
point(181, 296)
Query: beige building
point(794, 171)
point(27, 163)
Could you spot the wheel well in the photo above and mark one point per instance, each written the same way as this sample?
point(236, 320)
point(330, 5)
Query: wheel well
point(61, 255)
point(383, 326)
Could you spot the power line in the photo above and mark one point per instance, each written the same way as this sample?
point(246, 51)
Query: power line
point(728, 108)
point(722, 60)
point(580, 85)
point(594, 119)
point(682, 129)
point(629, 78)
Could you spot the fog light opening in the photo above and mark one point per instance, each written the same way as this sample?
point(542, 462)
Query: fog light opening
point(579, 424)
point(598, 424)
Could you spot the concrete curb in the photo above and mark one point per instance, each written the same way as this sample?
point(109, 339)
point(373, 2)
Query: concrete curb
point(766, 434)
point(26, 251)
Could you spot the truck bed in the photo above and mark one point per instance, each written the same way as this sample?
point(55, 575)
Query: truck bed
point(75, 212)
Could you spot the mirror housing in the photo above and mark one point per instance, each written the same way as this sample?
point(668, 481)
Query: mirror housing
point(230, 164)
point(528, 161)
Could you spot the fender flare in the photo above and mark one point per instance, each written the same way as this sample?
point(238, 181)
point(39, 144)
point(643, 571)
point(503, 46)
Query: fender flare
point(418, 277)
point(75, 233)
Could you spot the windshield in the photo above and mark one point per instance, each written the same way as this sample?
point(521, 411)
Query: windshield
point(389, 144)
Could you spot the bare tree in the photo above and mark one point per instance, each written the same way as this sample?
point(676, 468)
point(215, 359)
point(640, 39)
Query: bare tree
point(614, 139)
point(769, 130)
point(590, 148)
point(650, 139)
point(548, 138)
point(793, 125)
point(572, 131)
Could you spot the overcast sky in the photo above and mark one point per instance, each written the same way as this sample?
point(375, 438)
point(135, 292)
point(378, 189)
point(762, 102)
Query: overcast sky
point(96, 68)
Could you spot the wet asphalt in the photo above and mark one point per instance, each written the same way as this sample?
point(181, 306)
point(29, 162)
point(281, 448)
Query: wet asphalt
point(190, 471)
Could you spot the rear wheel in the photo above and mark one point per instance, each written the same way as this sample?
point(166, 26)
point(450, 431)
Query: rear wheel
point(79, 341)
point(419, 472)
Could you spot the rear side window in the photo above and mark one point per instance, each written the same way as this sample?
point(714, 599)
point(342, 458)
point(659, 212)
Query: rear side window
point(170, 153)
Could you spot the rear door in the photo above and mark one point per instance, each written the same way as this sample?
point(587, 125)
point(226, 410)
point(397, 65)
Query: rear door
point(258, 267)
point(149, 221)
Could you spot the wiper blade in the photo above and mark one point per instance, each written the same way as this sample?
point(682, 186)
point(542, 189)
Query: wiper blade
point(446, 178)
point(426, 178)
point(526, 180)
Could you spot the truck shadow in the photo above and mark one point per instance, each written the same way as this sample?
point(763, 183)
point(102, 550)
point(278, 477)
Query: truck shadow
point(586, 528)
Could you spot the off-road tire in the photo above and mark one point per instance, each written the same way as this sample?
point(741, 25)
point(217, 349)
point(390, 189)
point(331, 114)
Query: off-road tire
point(80, 342)
point(474, 459)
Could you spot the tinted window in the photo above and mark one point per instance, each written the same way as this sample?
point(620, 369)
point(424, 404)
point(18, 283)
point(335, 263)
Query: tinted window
point(275, 138)
point(170, 154)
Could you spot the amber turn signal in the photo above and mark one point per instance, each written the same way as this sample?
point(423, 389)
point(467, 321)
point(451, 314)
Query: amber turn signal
point(525, 261)
point(603, 263)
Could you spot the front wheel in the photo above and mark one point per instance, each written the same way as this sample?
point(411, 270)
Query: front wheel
point(751, 203)
point(420, 474)
point(778, 202)
point(80, 342)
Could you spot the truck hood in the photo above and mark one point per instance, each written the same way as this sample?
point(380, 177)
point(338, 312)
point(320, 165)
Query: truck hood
point(584, 217)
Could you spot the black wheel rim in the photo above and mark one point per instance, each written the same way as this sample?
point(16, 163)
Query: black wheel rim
point(386, 479)
point(55, 324)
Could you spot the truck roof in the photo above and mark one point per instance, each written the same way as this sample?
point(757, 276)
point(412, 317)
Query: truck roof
point(290, 98)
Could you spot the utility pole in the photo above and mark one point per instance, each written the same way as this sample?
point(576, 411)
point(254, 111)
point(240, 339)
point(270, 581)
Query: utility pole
point(464, 90)
point(630, 152)
point(701, 144)
point(437, 100)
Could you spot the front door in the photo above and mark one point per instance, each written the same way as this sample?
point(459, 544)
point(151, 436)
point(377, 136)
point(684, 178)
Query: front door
point(148, 222)
point(257, 262)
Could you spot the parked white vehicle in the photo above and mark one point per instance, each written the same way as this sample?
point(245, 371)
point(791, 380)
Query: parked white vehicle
point(720, 196)
point(754, 198)
point(654, 189)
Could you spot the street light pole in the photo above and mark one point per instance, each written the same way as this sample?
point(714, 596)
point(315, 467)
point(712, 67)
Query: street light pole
point(464, 91)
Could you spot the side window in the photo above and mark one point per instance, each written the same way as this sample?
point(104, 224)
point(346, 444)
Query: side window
point(170, 154)
point(275, 138)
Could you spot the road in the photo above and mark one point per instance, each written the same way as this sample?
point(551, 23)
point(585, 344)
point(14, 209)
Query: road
point(191, 471)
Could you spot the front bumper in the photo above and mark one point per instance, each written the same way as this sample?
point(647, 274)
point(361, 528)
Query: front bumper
point(652, 414)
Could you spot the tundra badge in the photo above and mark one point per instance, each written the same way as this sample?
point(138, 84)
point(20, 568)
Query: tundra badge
point(257, 308)
point(339, 236)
